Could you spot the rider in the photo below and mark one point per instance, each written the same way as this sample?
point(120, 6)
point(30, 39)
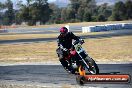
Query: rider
point(65, 43)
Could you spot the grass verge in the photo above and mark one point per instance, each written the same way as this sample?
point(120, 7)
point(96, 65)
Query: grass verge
point(12, 36)
point(114, 49)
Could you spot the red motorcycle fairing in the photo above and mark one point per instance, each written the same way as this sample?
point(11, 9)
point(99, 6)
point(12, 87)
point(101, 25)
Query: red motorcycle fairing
point(71, 54)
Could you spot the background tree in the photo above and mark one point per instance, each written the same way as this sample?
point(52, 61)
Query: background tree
point(119, 11)
point(75, 4)
point(101, 17)
point(128, 5)
point(55, 14)
point(104, 10)
point(9, 16)
point(70, 14)
point(87, 16)
point(1, 6)
point(83, 8)
point(35, 11)
point(24, 11)
point(80, 13)
point(64, 14)
point(1, 13)
point(40, 11)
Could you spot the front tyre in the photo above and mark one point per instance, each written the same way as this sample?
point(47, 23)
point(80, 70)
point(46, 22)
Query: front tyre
point(80, 80)
point(93, 67)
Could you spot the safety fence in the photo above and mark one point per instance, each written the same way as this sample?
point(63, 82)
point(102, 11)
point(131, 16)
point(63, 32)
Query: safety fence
point(106, 27)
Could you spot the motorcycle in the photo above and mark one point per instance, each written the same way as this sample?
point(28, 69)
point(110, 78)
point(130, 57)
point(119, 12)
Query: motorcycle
point(78, 60)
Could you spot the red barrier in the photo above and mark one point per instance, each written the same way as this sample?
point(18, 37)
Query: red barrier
point(108, 78)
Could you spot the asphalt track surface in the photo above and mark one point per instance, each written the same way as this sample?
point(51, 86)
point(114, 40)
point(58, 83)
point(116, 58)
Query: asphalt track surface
point(55, 76)
point(109, 34)
point(41, 30)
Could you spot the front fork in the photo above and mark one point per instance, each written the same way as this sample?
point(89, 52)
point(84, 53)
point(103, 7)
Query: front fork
point(82, 66)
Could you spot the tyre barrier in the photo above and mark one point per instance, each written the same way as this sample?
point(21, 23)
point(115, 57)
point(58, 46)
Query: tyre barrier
point(3, 31)
point(88, 29)
point(99, 28)
point(127, 26)
point(106, 27)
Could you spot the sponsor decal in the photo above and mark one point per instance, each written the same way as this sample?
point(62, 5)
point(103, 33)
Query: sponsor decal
point(108, 78)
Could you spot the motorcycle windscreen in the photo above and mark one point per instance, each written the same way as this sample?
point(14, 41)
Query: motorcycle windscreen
point(83, 54)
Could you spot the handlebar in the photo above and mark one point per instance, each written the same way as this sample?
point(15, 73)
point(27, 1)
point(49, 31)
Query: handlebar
point(81, 41)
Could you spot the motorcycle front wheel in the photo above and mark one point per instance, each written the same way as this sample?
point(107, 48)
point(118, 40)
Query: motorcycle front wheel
point(93, 67)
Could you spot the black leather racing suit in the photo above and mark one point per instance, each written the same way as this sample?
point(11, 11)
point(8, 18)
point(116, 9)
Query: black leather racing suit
point(66, 42)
